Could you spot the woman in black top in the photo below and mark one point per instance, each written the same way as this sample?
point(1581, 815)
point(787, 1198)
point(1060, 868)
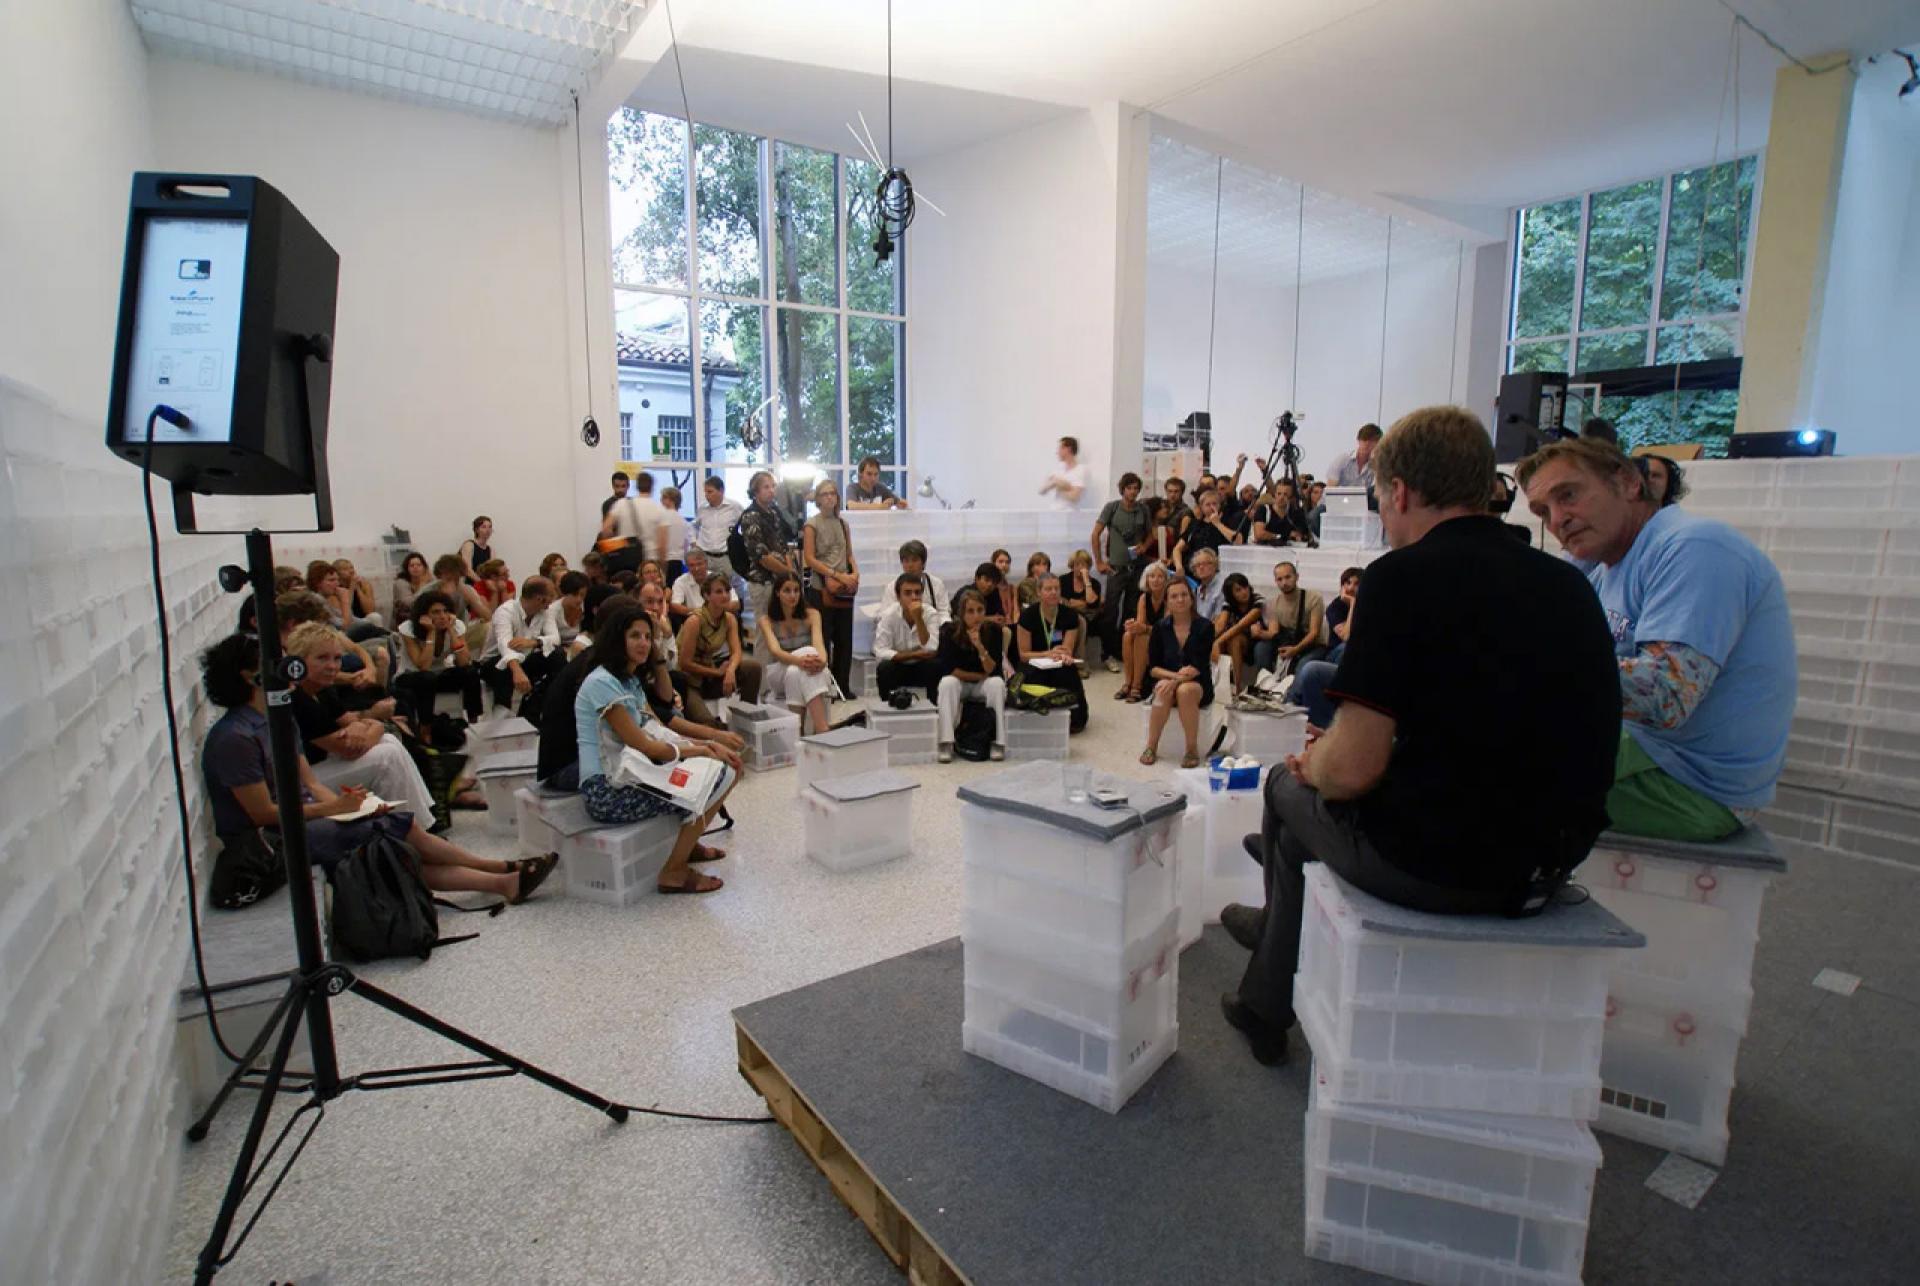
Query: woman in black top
point(1080, 591)
point(971, 654)
point(1149, 607)
point(1206, 531)
point(1050, 631)
point(478, 548)
point(1179, 658)
point(1233, 626)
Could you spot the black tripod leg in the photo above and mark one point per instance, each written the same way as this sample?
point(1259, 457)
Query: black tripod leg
point(420, 1017)
point(198, 1130)
point(290, 1015)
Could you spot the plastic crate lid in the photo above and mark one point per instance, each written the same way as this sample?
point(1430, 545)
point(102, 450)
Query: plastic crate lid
point(840, 738)
point(1038, 790)
point(568, 815)
point(1577, 924)
point(1749, 846)
point(760, 713)
point(508, 763)
point(865, 785)
point(1542, 1136)
point(494, 729)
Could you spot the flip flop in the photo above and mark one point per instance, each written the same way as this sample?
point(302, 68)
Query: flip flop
point(694, 883)
point(706, 853)
point(1148, 757)
point(533, 872)
point(1190, 761)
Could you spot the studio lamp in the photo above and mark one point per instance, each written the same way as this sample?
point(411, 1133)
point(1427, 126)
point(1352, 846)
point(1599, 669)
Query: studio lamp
point(928, 493)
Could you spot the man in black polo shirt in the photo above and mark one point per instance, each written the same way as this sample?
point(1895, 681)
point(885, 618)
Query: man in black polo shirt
point(1477, 721)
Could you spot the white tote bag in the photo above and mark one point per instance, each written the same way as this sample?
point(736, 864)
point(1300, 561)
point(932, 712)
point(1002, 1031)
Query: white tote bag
point(685, 783)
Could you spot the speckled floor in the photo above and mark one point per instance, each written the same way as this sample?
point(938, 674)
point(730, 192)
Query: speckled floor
point(506, 1181)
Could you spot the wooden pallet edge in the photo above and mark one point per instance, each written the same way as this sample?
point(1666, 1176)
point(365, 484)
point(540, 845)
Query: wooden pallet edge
point(903, 1241)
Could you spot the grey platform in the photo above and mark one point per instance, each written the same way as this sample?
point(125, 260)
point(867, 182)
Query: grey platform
point(1199, 1178)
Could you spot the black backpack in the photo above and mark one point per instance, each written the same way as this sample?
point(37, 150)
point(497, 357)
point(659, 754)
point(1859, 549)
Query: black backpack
point(973, 734)
point(381, 906)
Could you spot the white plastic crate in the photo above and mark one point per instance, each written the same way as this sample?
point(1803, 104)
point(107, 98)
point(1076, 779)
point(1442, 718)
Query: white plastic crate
point(1701, 923)
point(1833, 617)
point(495, 736)
point(1799, 816)
point(1885, 831)
point(1076, 889)
point(1837, 485)
point(1896, 620)
point(1535, 1167)
point(1886, 752)
point(1902, 556)
point(1746, 483)
point(1034, 735)
point(914, 732)
point(1448, 1024)
point(1172, 737)
point(772, 735)
point(535, 833)
point(502, 792)
point(1190, 875)
point(1889, 685)
point(1351, 531)
point(843, 752)
point(1831, 681)
point(1666, 1076)
point(1072, 981)
point(1827, 551)
point(618, 865)
point(864, 674)
point(860, 820)
point(1268, 737)
point(1818, 749)
point(1101, 1067)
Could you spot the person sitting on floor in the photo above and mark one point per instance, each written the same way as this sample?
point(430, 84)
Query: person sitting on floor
point(1461, 622)
point(972, 652)
point(1293, 630)
point(913, 562)
point(238, 766)
point(463, 600)
point(1209, 586)
point(553, 567)
point(611, 715)
point(521, 649)
point(1282, 520)
point(1240, 611)
point(1179, 652)
point(415, 579)
point(1050, 634)
point(796, 666)
point(594, 564)
point(689, 591)
point(435, 658)
point(363, 670)
point(1340, 612)
point(495, 585)
point(1027, 592)
point(568, 615)
point(906, 641)
point(363, 607)
point(987, 584)
point(711, 656)
point(1151, 605)
point(1700, 626)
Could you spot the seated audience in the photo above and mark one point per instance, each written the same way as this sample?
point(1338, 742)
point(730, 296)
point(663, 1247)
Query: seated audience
point(558, 765)
point(1179, 511)
point(689, 591)
point(1599, 430)
point(1339, 614)
point(238, 767)
point(1160, 541)
point(796, 666)
point(415, 579)
point(1355, 468)
point(871, 493)
point(1394, 798)
point(626, 581)
point(1700, 626)
point(833, 578)
point(494, 585)
point(522, 648)
point(285, 580)
point(1240, 611)
point(1080, 591)
point(553, 567)
point(1027, 592)
point(435, 658)
point(1281, 520)
point(972, 652)
point(349, 748)
point(906, 641)
point(1180, 662)
point(711, 656)
point(1050, 634)
point(363, 669)
point(594, 564)
point(363, 608)
point(987, 584)
point(568, 615)
point(1207, 531)
point(1150, 606)
point(463, 600)
point(1293, 631)
point(611, 716)
point(913, 562)
point(1316, 505)
point(1209, 586)
point(1666, 480)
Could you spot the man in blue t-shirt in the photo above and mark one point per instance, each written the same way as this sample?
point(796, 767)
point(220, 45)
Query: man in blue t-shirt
point(1702, 633)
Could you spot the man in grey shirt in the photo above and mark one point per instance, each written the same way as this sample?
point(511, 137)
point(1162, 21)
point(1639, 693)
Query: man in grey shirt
point(1355, 468)
point(1120, 530)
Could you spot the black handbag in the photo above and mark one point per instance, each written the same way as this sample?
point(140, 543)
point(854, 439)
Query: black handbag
point(248, 868)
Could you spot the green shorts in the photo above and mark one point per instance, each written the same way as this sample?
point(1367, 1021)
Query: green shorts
point(1645, 800)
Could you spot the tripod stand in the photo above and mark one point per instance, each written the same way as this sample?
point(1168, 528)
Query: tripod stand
point(1286, 454)
point(316, 979)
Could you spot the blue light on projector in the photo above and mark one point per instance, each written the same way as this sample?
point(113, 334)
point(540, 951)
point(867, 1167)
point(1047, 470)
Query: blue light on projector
point(1808, 437)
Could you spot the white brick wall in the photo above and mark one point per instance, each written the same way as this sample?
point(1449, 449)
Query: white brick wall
point(93, 927)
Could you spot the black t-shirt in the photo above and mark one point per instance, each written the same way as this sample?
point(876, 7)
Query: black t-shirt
point(1496, 664)
point(316, 717)
point(1065, 619)
point(1336, 613)
point(956, 653)
point(559, 736)
point(1204, 535)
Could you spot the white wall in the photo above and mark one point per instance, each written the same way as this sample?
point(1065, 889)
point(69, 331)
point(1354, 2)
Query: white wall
point(92, 931)
point(451, 371)
point(1870, 325)
point(1012, 309)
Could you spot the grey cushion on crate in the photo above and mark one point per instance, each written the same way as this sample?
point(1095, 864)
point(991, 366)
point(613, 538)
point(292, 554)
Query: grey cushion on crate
point(568, 815)
point(840, 738)
point(1038, 790)
point(755, 714)
point(508, 763)
point(865, 785)
point(1749, 847)
point(1579, 924)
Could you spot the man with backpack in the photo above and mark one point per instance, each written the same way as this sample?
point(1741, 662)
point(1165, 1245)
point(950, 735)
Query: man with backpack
point(764, 542)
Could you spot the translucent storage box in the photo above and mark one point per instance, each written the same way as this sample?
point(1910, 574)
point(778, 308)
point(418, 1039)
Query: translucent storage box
point(1490, 1019)
point(1826, 551)
point(914, 732)
point(1226, 873)
point(1834, 485)
point(1531, 1166)
point(865, 674)
point(857, 821)
point(1799, 816)
point(502, 791)
point(1699, 907)
point(1035, 735)
point(1828, 616)
point(1267, 736)
point(618, 865)
point(772, 735)
point(1877, 830)
point(1832, 681)
point(533, 831)
point(1101, 1066)
point(1068, 980)
point(1886, 752)
point(1896, 621)
point(494, 736)
point(1666, 1077)
point(1818, 749)
point(1190, 875)
point(1351, 531)
point(1172, 739)
point(839, 752)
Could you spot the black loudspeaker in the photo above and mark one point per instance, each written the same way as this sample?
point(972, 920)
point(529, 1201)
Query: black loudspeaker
point(225, 341)
point(1768, 446)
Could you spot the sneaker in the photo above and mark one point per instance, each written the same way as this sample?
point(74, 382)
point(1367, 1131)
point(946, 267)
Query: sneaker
point(1113, 666)
point(997, 753)
point(1244, 924)
point(1268, 1043)
point(946, 752)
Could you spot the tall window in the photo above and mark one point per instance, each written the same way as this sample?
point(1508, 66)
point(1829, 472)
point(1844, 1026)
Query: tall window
point(1639, 275)
point(761, 272)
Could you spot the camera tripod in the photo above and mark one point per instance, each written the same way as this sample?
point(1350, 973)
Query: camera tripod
point(315, 981)
point(1285, 454)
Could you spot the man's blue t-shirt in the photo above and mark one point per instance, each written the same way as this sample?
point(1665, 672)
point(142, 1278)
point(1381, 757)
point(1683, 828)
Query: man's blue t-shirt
point(1699, 582)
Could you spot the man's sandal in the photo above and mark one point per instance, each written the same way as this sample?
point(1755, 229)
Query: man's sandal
point(706, 853)
point(694, 882)
point(533, 872)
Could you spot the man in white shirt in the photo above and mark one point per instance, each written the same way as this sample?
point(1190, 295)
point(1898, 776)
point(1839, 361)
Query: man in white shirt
point(688, 596)
point(906, 641)
point(714, 520)
point(913, 562)
point(1355, 468)
point(522, 642)
point(1067, 485)
point(642, 520)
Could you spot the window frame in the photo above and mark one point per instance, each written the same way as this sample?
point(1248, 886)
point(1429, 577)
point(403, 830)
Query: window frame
point(769, 304)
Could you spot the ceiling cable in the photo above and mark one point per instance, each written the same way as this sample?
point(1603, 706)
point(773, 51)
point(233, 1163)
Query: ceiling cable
point(1213, 290)
point(1741, 19)
point(1386, 298)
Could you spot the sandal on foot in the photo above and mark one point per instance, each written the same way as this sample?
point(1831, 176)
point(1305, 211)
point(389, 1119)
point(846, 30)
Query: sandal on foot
point(693, 882)
point(1148, 757)
point(706, 853)
point(1120, 693)
point(1134, 696)
point(533, 872)
point(469, 801)
point(1190, 761)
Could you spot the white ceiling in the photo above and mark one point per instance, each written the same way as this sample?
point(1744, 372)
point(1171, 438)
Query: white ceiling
point(518, 59)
